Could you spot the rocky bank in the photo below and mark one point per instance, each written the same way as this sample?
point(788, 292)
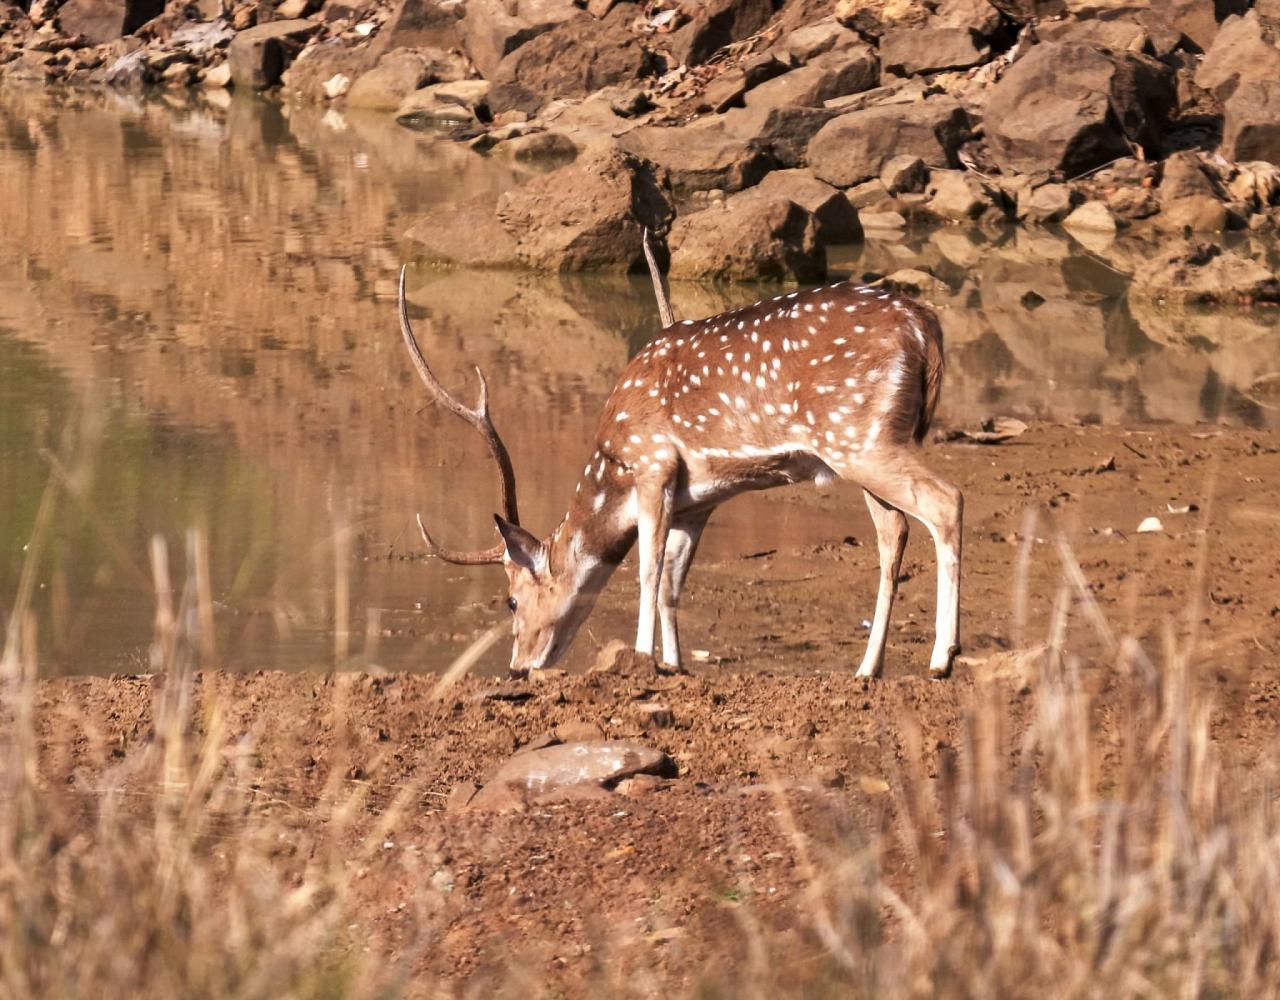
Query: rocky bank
point(748, 135)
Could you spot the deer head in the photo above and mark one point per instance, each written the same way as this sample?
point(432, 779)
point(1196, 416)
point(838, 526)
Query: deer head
point(552, 583)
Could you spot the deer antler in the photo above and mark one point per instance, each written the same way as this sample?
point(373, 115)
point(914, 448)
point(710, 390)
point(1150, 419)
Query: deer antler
point(664, 307)
point(479, 419)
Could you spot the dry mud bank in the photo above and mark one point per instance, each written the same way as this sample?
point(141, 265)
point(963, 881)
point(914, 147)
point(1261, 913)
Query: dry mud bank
point(788, 768)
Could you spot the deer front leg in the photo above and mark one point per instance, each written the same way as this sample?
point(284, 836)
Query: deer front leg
point(682, 545)
point(891, 541)
point(653, 524)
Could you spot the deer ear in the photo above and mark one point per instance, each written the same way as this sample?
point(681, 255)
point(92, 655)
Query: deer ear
point(522, 548)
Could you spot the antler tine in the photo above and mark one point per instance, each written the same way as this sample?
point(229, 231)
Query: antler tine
point(664, 307)
point(482, 558)
point(478, 418)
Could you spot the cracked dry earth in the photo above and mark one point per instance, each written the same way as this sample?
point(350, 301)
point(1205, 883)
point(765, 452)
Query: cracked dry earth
point(783, 756)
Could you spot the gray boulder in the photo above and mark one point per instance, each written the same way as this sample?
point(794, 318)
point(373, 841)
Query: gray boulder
point(492, 28)
point(1251, 122)
point(811, 40)
point(847, 70)
point(416, 24)
point(1245, 48)
point(748, 237)
point(106, 20)
point(575, 58)
point(960, 196)
point(259, 55)
point(701, 156)
point(1190, 196)
point(908, 51)
point(835, 215)
point(714, 24)
point(1072, 107)
point(783, 131)
point(855, 147)
point(589, 215)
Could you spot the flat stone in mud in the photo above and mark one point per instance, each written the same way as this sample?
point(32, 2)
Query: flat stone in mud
point(537, 774)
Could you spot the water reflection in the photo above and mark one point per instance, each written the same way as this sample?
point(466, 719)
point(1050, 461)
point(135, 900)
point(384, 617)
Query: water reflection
point(197, 328)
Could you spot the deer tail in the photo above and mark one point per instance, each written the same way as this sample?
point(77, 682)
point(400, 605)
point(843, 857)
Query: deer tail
point(930, 376)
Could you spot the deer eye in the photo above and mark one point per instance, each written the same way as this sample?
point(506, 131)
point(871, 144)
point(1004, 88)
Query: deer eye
point(511, 605)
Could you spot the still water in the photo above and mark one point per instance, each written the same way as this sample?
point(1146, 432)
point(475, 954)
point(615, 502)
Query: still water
point(197, 330)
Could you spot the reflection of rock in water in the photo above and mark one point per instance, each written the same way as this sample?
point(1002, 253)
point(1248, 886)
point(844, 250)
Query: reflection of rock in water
point(1037, 327)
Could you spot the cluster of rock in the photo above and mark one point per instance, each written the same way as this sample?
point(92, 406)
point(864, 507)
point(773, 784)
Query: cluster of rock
point(748, 135)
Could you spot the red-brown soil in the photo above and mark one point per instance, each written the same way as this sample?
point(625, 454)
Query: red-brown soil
point(783, 755)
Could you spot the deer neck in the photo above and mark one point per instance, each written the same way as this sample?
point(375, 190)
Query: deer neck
point(598, 530)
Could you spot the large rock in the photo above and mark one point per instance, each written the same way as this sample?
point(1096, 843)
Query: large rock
point(977, 15)
point(567, 770)
point(1246, 48)
point(1251, 122)
point(812, 40)
point(1072, 107)
point(588, 216)
point(701, 156)
point(908, 51)
point(748, 237)
point(1204, 272)
point(399, 73)
point(960, 196)
point(715, 23)
point(310, 74)
point(783, 131)
point(1190, 196)
point(1119, 35)
point(855, 147)
point(850, 69)
point(830, 207)
point(576, 58)
point(492, 28)
point(1030, 10)
point(106, 20)
point(260, 55)
point(419, 24)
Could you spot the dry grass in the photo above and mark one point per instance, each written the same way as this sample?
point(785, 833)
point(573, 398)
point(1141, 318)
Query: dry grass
point(1035, 862)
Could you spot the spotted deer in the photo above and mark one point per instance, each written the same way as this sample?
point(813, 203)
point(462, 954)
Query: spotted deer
point(834, 382)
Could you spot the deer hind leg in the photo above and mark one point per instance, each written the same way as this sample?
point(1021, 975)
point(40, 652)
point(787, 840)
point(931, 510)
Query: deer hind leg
point(901, 480)
point(682, 546)
point(653, 523)
point(891, 540)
